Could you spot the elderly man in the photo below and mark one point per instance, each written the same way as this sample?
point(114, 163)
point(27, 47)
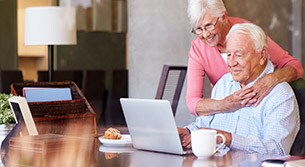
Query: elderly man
point(270, 127)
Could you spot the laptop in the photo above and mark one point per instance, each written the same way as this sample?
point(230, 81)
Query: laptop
point(152, 125)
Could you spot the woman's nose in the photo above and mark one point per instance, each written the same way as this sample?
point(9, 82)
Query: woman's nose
point(204, 34)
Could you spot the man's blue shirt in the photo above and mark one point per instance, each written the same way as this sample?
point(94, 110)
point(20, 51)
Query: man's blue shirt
point(270, 127)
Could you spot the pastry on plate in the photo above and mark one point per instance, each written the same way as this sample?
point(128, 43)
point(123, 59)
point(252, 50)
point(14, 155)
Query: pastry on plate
point(112, 133)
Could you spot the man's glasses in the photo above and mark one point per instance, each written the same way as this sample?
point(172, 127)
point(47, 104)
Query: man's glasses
point(208, 27)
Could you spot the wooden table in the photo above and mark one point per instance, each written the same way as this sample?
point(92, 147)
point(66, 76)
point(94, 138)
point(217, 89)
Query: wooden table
point(139, 158)
point(96, 154)
point(130, 157)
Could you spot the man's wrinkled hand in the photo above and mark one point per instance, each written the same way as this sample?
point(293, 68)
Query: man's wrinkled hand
point(185, 137)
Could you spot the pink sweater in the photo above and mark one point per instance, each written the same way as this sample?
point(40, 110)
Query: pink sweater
point(207, 61)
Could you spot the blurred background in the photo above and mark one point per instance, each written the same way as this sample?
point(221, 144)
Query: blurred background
point(137, 37)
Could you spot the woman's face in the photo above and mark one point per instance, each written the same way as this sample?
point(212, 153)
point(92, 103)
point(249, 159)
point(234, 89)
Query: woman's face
point(211, 37)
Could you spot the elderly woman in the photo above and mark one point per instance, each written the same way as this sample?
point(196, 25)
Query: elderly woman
point(211, 24)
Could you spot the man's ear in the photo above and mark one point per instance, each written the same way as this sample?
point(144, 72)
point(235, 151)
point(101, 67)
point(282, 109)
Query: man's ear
point(264, 56)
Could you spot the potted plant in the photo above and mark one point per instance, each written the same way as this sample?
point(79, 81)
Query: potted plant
point(7, 120)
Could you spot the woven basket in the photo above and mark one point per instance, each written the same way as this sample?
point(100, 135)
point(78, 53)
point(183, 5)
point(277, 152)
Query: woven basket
point(61, 117)
point(38, 109)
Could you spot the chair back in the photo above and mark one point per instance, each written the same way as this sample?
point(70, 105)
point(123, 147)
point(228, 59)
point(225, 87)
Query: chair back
point(94, 84)
point(298, 147)
point(113, 114)
point(94, 89)
point(170, 84)
point(7, 77)
point(63, 75)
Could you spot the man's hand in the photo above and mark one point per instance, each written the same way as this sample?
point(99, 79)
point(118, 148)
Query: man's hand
point(227, 135)
point(185, 137)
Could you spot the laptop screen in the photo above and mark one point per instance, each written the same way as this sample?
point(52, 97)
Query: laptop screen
point(17, 112)
point(152, 125)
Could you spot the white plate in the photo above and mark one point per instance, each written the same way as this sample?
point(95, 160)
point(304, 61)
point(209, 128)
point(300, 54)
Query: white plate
point(123, 142)
point(106, 149)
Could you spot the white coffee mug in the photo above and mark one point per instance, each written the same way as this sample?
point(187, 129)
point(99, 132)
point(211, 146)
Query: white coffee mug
point(204, 142)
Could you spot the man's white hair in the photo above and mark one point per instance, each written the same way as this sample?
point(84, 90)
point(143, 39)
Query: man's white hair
point(256, 33)
point(198, 8)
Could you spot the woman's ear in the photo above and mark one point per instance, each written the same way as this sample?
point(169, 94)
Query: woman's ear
point(225, 18)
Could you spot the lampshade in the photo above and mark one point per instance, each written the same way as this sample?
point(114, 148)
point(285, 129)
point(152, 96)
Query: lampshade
point(50, 25)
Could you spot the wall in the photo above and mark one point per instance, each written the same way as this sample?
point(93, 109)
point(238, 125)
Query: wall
point(8, 34)
point(278, 18)
point(158, 33)
point(303, 33)
point(273, 16)
point(30, 58)
point(94, 50)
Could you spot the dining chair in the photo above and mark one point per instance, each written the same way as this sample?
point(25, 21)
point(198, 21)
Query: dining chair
point(298, 147)
point(94, 90)
point(7, 77)
point(63, 75)
point(113, 114)
point(170, 84)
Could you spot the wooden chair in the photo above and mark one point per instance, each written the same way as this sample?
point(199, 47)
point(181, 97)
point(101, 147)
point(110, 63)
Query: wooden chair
point(298, 147)
point(94, 90)
point(113, 114)
point(7, 77)
point(171, 83)
point(63, 75)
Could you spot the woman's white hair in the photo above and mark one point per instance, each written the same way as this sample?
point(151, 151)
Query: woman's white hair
point(198, 8)
point(256, 33)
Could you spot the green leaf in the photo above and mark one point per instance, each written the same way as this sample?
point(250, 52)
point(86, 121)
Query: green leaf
point(6, 115)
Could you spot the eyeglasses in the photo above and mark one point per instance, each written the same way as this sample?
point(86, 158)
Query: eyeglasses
point(208, 27)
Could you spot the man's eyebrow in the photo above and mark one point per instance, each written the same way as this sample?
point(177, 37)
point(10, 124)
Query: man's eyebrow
point(227, 51)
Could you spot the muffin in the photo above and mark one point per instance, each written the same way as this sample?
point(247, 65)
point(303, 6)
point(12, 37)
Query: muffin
point(112, 133)
point(111, 155)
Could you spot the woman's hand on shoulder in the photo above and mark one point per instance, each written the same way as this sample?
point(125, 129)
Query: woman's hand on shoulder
point(239, 99)
point(263, 87)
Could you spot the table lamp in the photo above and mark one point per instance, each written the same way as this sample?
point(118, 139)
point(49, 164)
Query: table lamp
point(50, 25)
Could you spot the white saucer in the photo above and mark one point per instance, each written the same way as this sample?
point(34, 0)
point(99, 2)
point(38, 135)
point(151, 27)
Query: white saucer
point(116, 149)
point(123, 142)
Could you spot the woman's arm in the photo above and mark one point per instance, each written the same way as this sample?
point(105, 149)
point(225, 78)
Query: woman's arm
point(288, 69)
point(230, 103)
point(281, 60)
point(207, 62)
point(265, 84)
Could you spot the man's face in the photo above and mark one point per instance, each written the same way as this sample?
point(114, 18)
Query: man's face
point(210, 37)
point(244, 62)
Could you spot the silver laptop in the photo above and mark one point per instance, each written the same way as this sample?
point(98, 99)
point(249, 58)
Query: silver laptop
point(152, 126)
